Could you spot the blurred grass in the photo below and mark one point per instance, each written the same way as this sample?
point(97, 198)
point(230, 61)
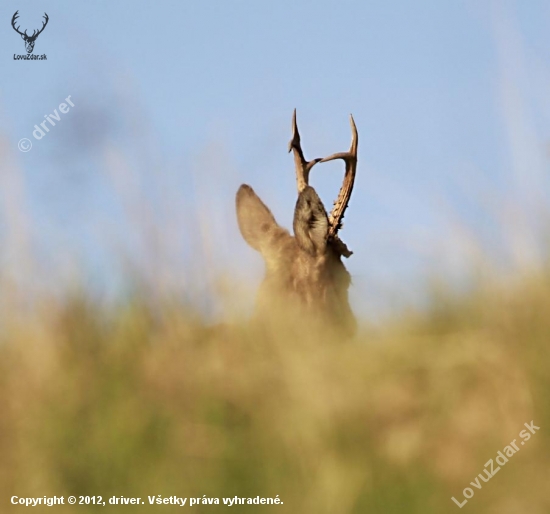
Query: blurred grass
point(131, 400)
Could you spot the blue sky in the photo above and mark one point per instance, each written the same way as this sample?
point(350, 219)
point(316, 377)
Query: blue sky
point(177, 103)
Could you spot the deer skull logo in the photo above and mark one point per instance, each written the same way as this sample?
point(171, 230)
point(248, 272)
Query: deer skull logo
point(29, 40)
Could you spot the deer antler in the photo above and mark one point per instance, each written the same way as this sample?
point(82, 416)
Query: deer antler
point(13, 20)
point(303, 167)
point(34, 36)
point(341, 203)
point(35, 33)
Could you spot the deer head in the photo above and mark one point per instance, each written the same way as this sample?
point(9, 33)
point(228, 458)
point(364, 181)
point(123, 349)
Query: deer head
point(304, 273)
point(29, 40)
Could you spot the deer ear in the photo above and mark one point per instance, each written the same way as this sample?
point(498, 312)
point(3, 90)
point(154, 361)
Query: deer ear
point(256, 223)
point(310, 222)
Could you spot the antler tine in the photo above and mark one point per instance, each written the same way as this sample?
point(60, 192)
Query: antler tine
point(43, 25)
point(13, 20)
point(341, 203)
point(302, 166)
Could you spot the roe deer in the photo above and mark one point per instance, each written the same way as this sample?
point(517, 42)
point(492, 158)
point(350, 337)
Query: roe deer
point(305, 276)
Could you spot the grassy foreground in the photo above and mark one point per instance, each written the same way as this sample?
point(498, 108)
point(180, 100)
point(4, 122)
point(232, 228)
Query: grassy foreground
point(134, 401)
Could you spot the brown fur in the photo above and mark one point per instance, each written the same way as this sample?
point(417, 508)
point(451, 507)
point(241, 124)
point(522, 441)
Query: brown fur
point(305, 278)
